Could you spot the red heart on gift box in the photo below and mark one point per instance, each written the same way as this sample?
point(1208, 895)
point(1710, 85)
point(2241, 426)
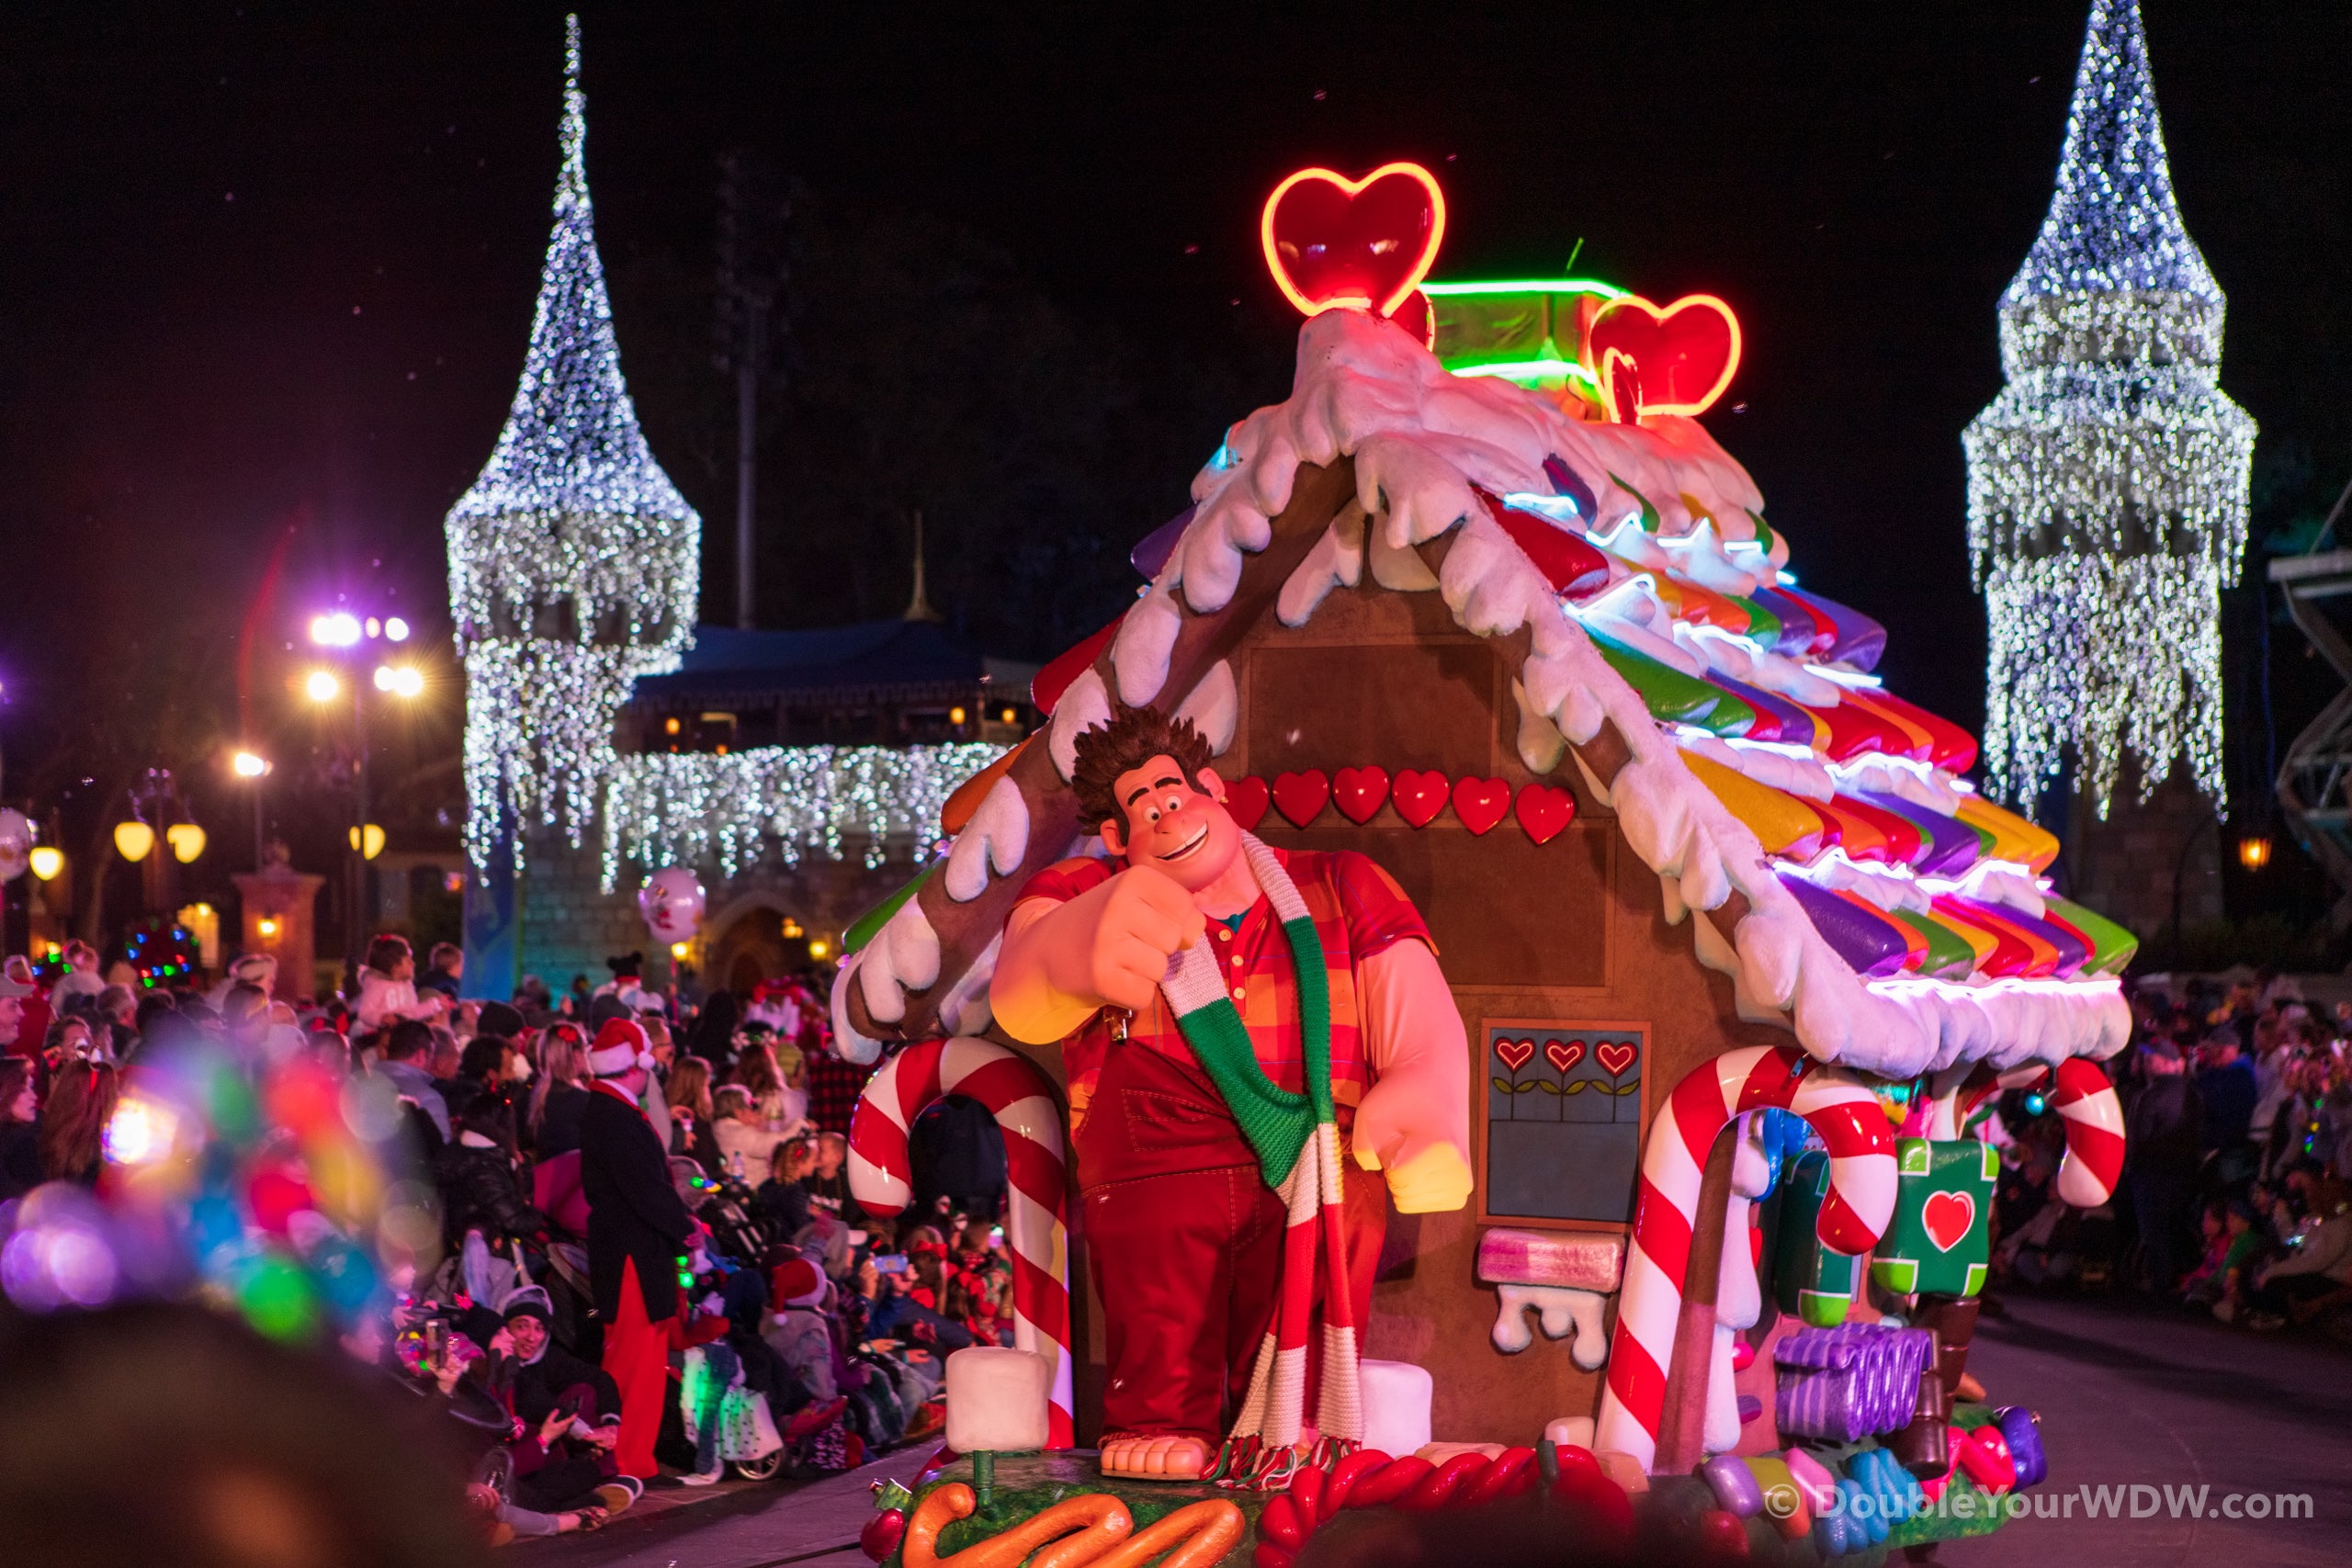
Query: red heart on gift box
point(1331, 240)
point(1545, 810)
point(1947, 1217)
point(1420, 794)
point(1672, 359)
point(1480, 803)
point(1565, 1053)
point(1359, 791)
point(1615, 1058)
point(1245, 799)
point(1514, 1053)
point(1302, 796)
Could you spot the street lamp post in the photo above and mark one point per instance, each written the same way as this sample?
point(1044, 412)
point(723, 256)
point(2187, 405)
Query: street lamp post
point(345, 632)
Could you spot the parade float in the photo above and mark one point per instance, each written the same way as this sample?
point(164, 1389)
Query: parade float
point(1736, 959)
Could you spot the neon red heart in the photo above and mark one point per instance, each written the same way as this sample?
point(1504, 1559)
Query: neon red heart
point(1360, 791)
point(1245, 800)
point(1615, 1058)
point(1675, 359)
point(1948, 1218)
point(1302, 796)
point(1331, 240)
point(1514, 1053)
point(1546, 810)
point(1480, 803)
point(1420, 794)
point(1565, 1055)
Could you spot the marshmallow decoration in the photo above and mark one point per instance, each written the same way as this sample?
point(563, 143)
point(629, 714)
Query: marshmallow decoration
point(999, 1400)
point(672, 902)
point(1396, 1397)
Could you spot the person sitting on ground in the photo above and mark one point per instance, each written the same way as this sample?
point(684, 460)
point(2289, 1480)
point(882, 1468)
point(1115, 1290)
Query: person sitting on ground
point(407, 1048)
point(782, 1197)
point(2232, 1242)
point(82, 1098)
point(19, 1129)
point(746, 1147)
point(388, 987)
point(569, 1410)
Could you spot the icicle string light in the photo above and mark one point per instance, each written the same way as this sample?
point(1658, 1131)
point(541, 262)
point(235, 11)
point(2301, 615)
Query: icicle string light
point(573, 560)
point(692, 809)
point(2108, 484)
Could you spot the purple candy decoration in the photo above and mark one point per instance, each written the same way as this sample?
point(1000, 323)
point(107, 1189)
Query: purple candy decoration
point(2072, 953)
point(1861, 641)
point(1750, 1408)
point(1565, 482)
point(1778, 718)
point(1152, 552)
point(1953, 845)
point(1872, 945)
point(1844, 1384)
point(1799, 625)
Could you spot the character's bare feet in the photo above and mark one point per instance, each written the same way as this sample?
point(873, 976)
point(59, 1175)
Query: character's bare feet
point(1161, 1455)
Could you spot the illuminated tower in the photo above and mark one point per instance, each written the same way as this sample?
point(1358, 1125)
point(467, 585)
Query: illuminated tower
point(2106, 484)
point(574, 568)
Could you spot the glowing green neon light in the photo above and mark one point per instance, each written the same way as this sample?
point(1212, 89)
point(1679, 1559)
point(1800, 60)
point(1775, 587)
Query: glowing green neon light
point(1530, 286)
point(1531, 370)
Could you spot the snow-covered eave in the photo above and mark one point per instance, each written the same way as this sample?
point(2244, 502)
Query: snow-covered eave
point(1416, 460)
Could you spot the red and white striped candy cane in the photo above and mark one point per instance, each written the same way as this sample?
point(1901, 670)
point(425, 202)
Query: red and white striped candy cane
point(2093, 1118)
point(1861, 1195)
point(2084, 1099)
point(1023, 1101)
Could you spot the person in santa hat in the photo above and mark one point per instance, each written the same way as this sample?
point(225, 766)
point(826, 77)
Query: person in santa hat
point(638, 1227)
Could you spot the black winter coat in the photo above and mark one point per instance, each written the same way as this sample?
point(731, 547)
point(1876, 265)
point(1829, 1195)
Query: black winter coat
point(479, 1190)
point(634, 1214)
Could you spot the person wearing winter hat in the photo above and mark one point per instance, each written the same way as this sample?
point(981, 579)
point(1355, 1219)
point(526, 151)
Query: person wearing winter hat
point(543, 1380)
point(637, 1226)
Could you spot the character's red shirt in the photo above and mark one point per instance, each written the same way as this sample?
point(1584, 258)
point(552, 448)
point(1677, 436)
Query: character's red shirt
point(1359, 913)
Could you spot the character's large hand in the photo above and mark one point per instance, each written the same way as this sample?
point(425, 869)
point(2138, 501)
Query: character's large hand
point(1427, 1172)
point(1142, 917)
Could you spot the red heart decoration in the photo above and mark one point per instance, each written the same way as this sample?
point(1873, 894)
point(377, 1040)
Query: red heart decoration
point(1545, 810)
point(1614, 1059)
point(1420, 794)
point(1565, 1053)
point(1947, 1218)
point(1675, 359)
point(1245, 800)
point(1302, 796)
point(1360, 791)
point(1480, 803)
point(1331, 240)
point(1514, 1053)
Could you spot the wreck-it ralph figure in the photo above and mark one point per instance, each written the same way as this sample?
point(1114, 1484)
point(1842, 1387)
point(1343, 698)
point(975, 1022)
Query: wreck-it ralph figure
point(1246, 1027)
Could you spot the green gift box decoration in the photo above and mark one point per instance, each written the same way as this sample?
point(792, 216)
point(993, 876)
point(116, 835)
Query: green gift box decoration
point(1940, 1238)
point(1811, 1282)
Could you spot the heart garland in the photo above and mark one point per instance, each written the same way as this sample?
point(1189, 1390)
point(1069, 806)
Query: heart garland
point(1545, 811)
point(1360, 791)
point(1420, 793)
point(1246, 798)
point(1480, 803)
point(1302, 796)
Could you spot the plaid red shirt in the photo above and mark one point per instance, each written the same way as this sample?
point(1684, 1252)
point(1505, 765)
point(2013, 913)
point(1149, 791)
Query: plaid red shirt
point(833, 1087)
point(1359, 913)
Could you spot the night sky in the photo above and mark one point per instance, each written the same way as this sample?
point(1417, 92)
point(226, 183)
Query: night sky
point(266, 271)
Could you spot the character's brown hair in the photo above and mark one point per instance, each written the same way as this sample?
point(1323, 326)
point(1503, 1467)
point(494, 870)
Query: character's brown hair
point(1134, 737)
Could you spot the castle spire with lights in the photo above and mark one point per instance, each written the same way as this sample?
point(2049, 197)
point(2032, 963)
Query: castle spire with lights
point(573, 560)
point(2108, 484)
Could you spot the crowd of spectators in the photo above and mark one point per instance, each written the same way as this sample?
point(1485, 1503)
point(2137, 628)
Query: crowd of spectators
point(2238, 1146)
point(650, 1260)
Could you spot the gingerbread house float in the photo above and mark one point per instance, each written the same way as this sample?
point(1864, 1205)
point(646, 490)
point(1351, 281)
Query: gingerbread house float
point(1501, 614)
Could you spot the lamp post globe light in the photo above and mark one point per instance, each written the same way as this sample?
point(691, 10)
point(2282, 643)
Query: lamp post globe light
point(346, 635)
point(252, 767)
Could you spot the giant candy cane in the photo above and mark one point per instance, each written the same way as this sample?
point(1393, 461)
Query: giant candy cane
point(1023, 1103)
point(1862, 1196)
point(2084, 1099)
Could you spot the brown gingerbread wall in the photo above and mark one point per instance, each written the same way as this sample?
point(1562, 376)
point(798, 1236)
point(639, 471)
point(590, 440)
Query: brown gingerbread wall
point(1570, 930)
